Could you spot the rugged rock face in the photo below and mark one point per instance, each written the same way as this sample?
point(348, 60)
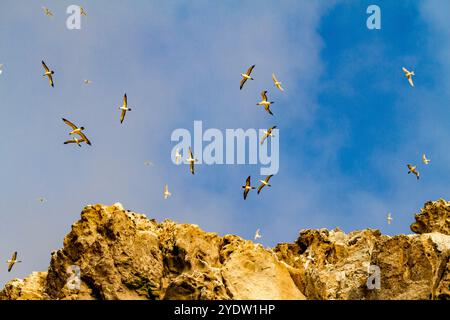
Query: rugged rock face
point(124, 255)
point(433, 217)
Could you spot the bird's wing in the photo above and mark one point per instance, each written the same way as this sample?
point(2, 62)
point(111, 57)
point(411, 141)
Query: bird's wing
point(264, 138)
point(70, 124)
point(264, 95)
point(191, 167)
point(50, 80)
point(122, 116)
point(405, 70)
point(260, 187)
point(10, 266)
point(274, 127)
point(280, 87)
point(274, 78)
point(14, 256)
point(45, 67)
point(69, 141)
point(249, 71)
point(190, 153)
point(411, 81)
point(125, 103)
point(166, 188)
point(268, 110)
point(268, 178)
point(84, 137)
point(245, 193)
point(242, 83)
point(247, 182)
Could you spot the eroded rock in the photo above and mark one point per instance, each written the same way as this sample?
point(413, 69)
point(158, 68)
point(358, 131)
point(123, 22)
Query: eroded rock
point(124, 255)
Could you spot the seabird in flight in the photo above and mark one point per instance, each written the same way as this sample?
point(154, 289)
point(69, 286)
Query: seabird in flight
point(389, 218)
point(87, 81)
point(267, 134)
point(75, 140)
point(77, 130)
point(148, 163)
point(247, 187)
point(425, 160)
point(264, 183)
point(47, 12)
point(177, 156)
point(11, 262)
point(82, 12)
point(257, 235)
point(41, 199)
point(246, 76)
point(49, 73)
point(124, 108)
point(266, 104)
point(191, 161)
point(409, 75)
point(277, 83)
point(166, 192)
point(413, 169)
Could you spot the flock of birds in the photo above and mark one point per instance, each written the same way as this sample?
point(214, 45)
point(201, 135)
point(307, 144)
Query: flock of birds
point(80, 136)
point(267, 133)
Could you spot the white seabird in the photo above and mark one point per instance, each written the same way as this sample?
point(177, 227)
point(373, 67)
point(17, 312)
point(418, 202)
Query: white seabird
point(167, 194)
point(264, 183)
point(267, 134)
point(246, 76)
point(425, 160)
point(77, 130)
point(413, 169)
point(257, 234)
point(276, 82)
point(409, 75)
point(247, 187)
point(11, 262)
point(191, 161)
point(124, 108)
point(48, 73)
point(264, 102)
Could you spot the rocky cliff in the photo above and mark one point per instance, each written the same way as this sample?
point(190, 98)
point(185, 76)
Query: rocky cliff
point(120, 254)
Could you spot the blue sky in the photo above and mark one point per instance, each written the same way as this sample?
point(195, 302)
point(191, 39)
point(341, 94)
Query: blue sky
point(349, 122)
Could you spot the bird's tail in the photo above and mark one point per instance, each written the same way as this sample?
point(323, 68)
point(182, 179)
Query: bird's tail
point(253, 187)
point(409, 172)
